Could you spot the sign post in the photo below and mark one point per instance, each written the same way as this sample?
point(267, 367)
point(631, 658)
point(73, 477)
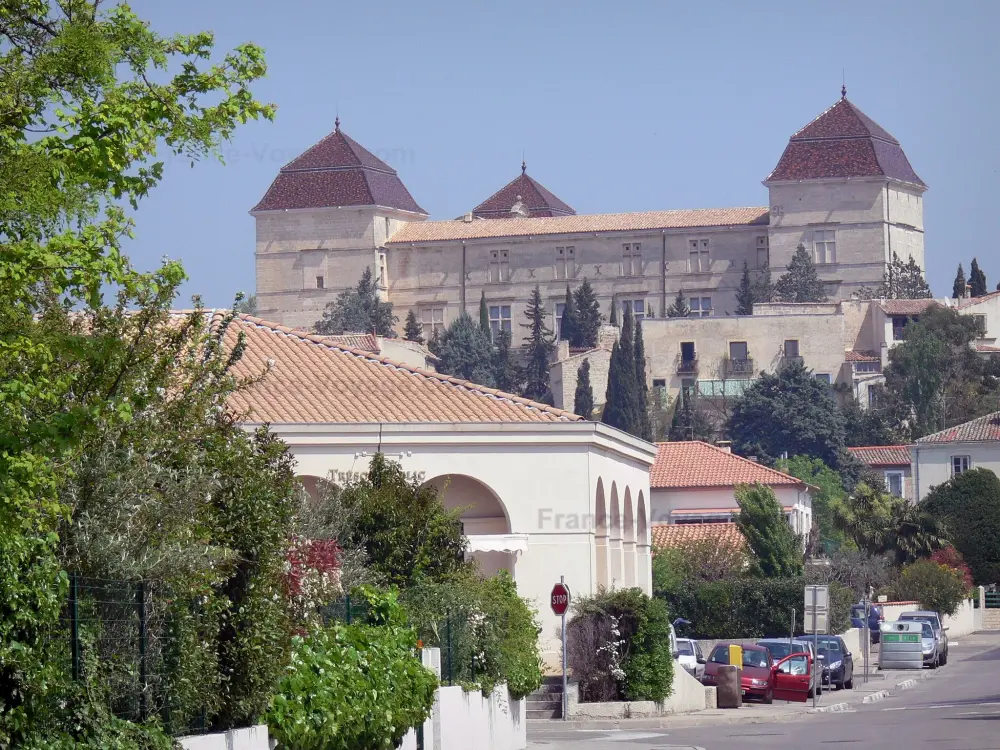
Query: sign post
point(817, 614)
point(559, 600)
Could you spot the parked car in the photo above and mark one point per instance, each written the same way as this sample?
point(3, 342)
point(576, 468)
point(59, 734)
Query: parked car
point(792, 678)
point(673, 642)
point(931, 647)
point(940, 631)
point(838, 661)
point(779, 648)
point(757, 680)
point(875, 619)
point(691, 657)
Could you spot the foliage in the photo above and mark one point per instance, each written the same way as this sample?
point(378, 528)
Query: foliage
point(763, 287)
point(690, 422)
point(751, 607)
point(745, 293)
point(958, 289)
point(589, 319)
point(680, 307)
point(776, 550)
point(538, 350)
point(464, 351)
point(412, 330)
point(969, 507)
point(407, 533)
point(883, 423)
point(701, 560)
point(829, 493)
point(508, 376)
point(856, 571)
point(619, 646)
point(864, 517)
point(937, 587)
point(644, 426)
point(325, 518)
point(801, 282)
point(621, 403)
point(900, 281)
point(583, 399)
point(952, 558)
point(247, 305)
point(977, 280)
point(788, 412)
point(358, 310)
point(494, 631)
point(484, 316)
point(353, 686)
point(913, 532)
point(613, 318)
point(570, 323)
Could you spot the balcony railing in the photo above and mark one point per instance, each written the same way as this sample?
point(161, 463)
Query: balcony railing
point(791, 359)
point(687, 365)
point(739, 366)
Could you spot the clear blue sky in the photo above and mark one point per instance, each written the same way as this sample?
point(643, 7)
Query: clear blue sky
point(617, 106)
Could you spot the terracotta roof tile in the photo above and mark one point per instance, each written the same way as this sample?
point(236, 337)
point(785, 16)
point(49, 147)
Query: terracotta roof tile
point(679, 534)
point(883, 455)
point(861, 356)
point(441, 231)
point(977, 300)
point(697, 464)
point(983, 430)
point(366, 342)
point(987, 348)
point(905, 306)
point(312, 379)
point(539, 201)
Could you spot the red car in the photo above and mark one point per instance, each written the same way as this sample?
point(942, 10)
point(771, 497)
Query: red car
point(761, 677)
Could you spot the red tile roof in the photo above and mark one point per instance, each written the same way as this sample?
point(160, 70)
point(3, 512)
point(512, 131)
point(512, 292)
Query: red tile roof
point(843, 142)
point(977, 300)
point(905, 306)
point(680, 534)
point(983, 430)
point(883, 455)
point(312, 379)
point(337, 171)
point(366, 342)
point(443, 231)
point(539, 201)
point(856, 356)
point(698, 464)
point(987, 348)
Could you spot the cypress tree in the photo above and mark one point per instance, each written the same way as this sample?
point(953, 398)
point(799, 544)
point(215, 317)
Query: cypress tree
point(958, 289)
point(484, 316)
point(763, 287)
point(412, 330)
point(680, 307)
point(644, 424)
point(621, 407)
point(745, 295)
point(507, 373)
point(801, 283)
point(588, 316)
point(613, 318)
point(977, 280)
point(583, 400)
point(539, 348)
point(569, 325)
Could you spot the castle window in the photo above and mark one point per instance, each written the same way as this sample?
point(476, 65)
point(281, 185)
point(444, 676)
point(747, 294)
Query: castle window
point(632, 259)
point(499, 320)
point(432, 321)
point(565, 262)
point(699, 259)
point(960, 465)
point(383, 271)
point(763, 252)
point(499, 266)
point(825, 245)
point(320, 282)
point(701, 307)
point(637, 306)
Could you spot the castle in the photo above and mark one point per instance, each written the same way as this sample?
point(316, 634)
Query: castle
point(843, 188)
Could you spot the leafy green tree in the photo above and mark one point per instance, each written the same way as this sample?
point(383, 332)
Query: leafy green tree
point(883, 423)
point(969, 508)
point(484, 316)
point(680, 307)
point(777, 551)
point(247, 305)
point(690, 422)
point(865, 517)
point(937, 587)
point(913, 533)
point(413, 331)
point(789, 412)
point(644, 424)
point(588, 311)
point(538, 350)
point(801, 282)
point(977, 280)
point(900, 281)
point(959, 288)
point(583, 399)
point(745, 293)
point(569, 324)
point(464, 351)
point(508, 376)
point(358, 310)
point(828, 495)
point(621, 408)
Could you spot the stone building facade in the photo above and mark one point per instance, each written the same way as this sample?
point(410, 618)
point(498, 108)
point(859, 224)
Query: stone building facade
point(843, 188)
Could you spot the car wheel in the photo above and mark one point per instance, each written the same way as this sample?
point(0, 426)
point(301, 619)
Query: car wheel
point(934, 664)
point(944, 659)
point(810, 693)
point(849, 684)
point(769, 697)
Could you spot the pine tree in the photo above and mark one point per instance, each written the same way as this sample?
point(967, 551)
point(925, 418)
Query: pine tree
point(484, 316)
point(621, 402)
point(977, 280)
point(583, 400)
point(588, 315)
point(899, 281)
point(680, 307)
point(644, 424)
point(538, 349)
point(413, 330)
point(763, 287)
point(958, 289)
point(464, 351)
point(570, 324)
point(745, 293)
point(801, 283)
point(507, 373)
point(358, 310)
point(613, 318)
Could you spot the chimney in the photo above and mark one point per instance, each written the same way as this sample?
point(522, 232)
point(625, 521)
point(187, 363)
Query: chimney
point(467, 218)
point(725, 445)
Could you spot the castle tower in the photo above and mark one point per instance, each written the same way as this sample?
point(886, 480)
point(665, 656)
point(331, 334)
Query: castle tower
point(323, 220)
point(522, 197)
point(845, 190)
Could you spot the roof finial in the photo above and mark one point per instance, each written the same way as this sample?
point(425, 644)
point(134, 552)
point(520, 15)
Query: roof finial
point(336, 124)
point(524, 164)
point(843, 85)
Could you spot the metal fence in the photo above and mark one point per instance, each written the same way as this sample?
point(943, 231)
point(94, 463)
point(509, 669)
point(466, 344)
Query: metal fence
point(992, 600)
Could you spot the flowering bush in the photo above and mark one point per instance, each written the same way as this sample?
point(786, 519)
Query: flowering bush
point(952, 558)
point(312, 576)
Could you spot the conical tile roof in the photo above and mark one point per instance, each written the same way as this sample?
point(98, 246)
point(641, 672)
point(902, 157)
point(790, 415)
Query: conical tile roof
point(535, 201)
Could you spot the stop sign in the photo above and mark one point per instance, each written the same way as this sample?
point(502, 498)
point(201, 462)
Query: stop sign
point(560, 598)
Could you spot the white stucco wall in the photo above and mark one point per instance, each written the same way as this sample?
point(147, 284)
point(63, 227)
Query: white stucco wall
point(932, 462)
point(666, 503)
point(250, 738)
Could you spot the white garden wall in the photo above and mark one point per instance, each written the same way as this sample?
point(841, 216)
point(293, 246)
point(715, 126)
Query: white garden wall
point(463, 720)
point(251, 738)
point(961, 623)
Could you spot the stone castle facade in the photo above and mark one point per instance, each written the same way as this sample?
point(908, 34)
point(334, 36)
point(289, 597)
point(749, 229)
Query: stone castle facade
point(843, 188)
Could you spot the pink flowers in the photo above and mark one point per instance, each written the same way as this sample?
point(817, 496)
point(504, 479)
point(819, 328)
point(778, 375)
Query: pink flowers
point(312, 575)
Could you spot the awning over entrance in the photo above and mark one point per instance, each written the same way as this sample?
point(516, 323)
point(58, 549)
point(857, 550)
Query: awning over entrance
point(510, 543)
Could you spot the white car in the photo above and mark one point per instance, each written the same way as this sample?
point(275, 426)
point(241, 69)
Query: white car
point(691, 657)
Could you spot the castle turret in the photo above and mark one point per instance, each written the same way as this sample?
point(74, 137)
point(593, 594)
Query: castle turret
point(522, 197)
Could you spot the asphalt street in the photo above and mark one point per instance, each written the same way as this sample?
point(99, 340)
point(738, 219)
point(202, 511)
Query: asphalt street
point(956, 708)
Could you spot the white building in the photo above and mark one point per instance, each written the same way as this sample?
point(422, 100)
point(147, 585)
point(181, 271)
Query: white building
point(548, 495)
point(943, 455)
point(894, 463)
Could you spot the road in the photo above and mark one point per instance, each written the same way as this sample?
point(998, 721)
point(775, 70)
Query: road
point(957, 708)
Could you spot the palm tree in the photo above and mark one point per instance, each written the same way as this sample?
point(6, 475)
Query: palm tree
point(913, 533)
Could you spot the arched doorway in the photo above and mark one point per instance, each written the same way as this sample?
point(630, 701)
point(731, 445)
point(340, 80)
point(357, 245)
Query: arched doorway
point(601, 536)
point(643, 558)
point(315, 487)
point(615, 541)
point(628, 536)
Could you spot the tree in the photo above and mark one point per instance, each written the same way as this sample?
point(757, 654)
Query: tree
point(413, 331)
point(801, 282)
point(465, 351)
point(937, 587)
point(828, 495)
point(644, 425)
point(538, 350)
point(763, 287)
point(882, 423)
point(621, 408)
point(969, 507)
point(507, 373)
point(913, 533)
point(900, 281)
point(484, 317)
point(745, 293)
point(680, 307)
point(247, 305)
point(690, 422)
point(777, 552)
point(613, 318)
point(977, 280)
point(959, 288)
point(864, 516)
point(789, 412)
point(703, 560)
point(358, 310)
point(583, 400)
point(569, 324)
point(588, 312)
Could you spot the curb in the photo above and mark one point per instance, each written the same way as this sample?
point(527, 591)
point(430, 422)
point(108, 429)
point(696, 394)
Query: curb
point(875, 697)
point(836, 708)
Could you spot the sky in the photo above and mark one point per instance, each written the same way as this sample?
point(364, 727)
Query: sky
point(627, 106)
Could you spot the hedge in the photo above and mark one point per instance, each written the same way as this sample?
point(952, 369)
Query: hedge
point(751, 607)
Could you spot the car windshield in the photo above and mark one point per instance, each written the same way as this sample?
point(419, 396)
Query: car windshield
point(932, 621)
point(928, 630)
point(685, 648)
point(829, 646)
point(755, 659)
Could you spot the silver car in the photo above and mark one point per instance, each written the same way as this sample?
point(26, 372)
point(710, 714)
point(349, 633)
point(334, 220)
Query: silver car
point(940, 631)
point(691, 657)
point(931, 647)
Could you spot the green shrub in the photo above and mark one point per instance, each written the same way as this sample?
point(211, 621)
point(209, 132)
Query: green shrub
point(619, 647)
point(937, 587)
